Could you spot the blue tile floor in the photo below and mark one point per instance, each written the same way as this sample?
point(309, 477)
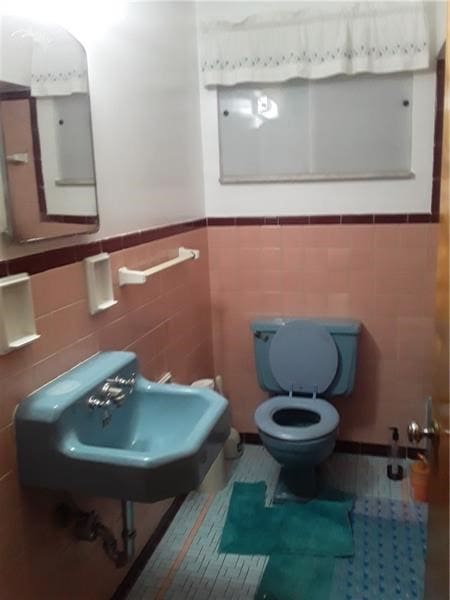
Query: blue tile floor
point(389, 533)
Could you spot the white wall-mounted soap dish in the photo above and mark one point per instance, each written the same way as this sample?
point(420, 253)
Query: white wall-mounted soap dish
point(99, 282)
point(17, 324)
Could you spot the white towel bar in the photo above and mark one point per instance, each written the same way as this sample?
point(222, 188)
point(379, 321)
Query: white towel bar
point(132, 277)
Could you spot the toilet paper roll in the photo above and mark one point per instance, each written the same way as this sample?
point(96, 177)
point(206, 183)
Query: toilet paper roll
point(233, 446)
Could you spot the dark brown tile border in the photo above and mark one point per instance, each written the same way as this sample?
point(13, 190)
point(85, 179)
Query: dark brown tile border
point(15, 95)
point(435, 217)
point(43, 261)
point(142, 559)
point(369, 219)
point(325, 220)
point(250, 220)
point(350, 447)
point(438, 140)
point(374, 449)
point(112, 244)
point(420, 218)
point(132, 239)
point(71, 219)
point(293, 220)
point(357, 219)
point(88, 250)
point(347, 447)
point(399, 218)
point(37, 156)
point(221, 221)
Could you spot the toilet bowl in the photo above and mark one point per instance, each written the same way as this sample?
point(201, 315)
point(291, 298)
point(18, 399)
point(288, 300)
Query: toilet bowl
point(305, 360)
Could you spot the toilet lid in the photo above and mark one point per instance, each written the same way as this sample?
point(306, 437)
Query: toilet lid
point(303, 357)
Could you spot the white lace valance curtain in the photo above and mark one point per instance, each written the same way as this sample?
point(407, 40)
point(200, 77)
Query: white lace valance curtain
point(373, 37)
point(58, 64)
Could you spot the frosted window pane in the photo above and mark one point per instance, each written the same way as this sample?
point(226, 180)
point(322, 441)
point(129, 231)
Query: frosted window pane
point(266, 130)
point(360, 125)
point(345, 126)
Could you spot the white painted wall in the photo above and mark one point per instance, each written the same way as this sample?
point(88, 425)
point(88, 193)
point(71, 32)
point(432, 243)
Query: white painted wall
point(15, 51)
point(318, 198)
point(146, 123)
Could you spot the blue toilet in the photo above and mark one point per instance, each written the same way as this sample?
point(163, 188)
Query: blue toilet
point(300, 362)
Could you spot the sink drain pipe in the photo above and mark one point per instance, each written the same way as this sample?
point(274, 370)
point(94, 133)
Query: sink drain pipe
point(110, 546)
point(128, 530)
point(88, 527)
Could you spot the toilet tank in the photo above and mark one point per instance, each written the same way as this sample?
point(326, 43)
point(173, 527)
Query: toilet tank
point(345, 333)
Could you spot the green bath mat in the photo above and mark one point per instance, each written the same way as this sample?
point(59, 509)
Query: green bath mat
point(320, 527)
point(297, 578)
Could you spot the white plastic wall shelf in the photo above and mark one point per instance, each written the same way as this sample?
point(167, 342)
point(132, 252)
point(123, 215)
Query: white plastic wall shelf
point(17, 324)
point(131, 277)
point(99, 282)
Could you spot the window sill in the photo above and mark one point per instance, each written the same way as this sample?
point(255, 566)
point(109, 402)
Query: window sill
point(246, 179)
point(74, 182)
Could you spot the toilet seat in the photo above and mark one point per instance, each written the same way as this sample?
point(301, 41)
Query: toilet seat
point(315, 419)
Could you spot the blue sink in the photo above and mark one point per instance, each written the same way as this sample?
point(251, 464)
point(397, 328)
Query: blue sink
point(157, 443)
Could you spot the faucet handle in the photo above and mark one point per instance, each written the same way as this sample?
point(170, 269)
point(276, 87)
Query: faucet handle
point(123, 381)
point(95, 401)
point(113, 391)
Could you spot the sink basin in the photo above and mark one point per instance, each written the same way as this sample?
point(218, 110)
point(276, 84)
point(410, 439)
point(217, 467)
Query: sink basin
point(160, 442)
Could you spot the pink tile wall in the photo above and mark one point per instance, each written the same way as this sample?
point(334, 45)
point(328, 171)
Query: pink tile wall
point(380, 274)
point(167, 322)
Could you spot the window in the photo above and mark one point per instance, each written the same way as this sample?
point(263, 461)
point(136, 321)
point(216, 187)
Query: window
point(338, 128)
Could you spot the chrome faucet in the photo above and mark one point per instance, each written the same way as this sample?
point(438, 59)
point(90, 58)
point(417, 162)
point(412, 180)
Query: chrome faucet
point(113, 392)
point(118, 388)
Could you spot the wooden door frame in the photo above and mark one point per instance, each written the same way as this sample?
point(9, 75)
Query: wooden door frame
point(437, 562)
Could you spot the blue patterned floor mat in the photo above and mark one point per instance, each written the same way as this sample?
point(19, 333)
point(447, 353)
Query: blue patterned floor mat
point(390, 539)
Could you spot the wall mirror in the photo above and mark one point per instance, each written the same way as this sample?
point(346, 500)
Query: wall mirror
point(47, 185)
